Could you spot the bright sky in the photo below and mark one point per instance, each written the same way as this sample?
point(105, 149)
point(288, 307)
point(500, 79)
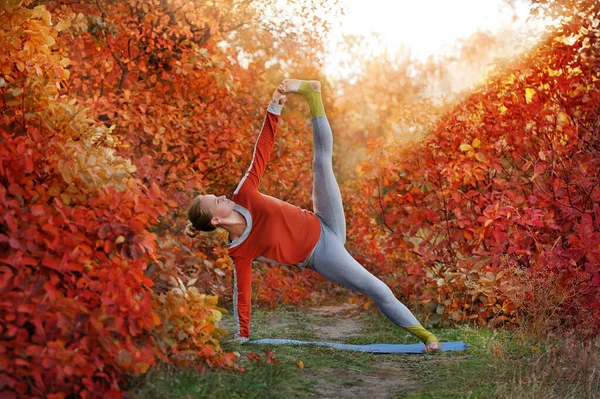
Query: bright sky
point(425, 27)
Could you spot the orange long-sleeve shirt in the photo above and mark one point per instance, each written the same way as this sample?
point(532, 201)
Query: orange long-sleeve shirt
point(276, 231)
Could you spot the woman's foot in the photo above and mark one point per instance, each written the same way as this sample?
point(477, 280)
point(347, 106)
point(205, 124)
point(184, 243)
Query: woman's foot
point(309, 89)
point(294, 86)
point(432, 346)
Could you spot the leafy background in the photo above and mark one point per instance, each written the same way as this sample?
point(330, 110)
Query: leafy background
point(480, 206)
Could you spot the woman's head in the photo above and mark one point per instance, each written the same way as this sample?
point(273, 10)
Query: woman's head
point(207, 212)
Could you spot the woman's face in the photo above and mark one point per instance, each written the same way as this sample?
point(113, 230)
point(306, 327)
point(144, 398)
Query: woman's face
point(219, 207)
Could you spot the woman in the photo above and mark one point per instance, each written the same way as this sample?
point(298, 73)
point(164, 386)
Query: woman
point(264, 228)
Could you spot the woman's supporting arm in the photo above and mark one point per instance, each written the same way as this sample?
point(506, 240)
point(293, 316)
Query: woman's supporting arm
point(242, 291)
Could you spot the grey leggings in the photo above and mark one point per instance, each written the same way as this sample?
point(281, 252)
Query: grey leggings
point(330, 258)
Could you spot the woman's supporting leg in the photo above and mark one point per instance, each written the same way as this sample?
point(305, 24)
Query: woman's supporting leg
point(332, 261)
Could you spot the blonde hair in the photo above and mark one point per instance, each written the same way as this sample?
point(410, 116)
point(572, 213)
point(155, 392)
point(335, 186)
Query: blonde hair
point(198, 219)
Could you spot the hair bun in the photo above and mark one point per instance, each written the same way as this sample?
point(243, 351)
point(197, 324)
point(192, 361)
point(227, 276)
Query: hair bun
point(190, 230)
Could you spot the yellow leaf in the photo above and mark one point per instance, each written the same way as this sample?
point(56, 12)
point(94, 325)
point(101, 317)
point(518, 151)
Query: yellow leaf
point(481, 157)
point(192, 282)
point(572, 262)
point(49, 40)
point(11, 102)
point(42, 13)
point(141, 367)
point(476, 143)
point(66, 199)
point(466, 147)
point(62, 25)
point(54, 189)
point(542, 155)
point(562, 117)
point(529, 94)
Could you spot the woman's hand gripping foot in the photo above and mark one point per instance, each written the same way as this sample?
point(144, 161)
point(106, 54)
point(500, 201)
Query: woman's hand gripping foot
point(279, 97)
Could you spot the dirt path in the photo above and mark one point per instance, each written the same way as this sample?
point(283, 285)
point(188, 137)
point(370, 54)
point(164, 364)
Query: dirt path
point(389, 376)
point(336, 322)
point(388, 381)
point(385, 380)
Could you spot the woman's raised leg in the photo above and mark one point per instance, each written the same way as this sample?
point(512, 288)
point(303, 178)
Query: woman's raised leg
point(326, 196)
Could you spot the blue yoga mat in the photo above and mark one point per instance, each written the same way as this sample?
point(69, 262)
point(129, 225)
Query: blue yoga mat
point(373, 348)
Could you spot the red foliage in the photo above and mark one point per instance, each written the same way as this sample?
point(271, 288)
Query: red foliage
point(77, 308)
point(90, 211)
point(269, 359)
point(77, 275)
point(280, 284)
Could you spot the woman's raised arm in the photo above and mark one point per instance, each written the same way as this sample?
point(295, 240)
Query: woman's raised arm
point(264, 144)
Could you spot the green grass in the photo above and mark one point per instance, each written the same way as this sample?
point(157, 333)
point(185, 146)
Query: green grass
point(264, 381)
point(473, 373)
point(494, 362)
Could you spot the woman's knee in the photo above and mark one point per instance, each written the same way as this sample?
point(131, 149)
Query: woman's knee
point(321, 163)
point(380, 293)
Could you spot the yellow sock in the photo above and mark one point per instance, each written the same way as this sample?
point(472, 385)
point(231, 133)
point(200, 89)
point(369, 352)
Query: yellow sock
point(313, 98)
point(421, 333)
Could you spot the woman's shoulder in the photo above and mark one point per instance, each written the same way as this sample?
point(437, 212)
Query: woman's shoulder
point(245, 194)
point(241, 254)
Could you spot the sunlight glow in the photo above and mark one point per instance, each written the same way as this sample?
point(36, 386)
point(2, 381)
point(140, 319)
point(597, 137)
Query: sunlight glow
point(425, 28)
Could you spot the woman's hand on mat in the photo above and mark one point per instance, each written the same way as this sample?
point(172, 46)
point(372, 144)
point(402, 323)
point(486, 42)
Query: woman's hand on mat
point(240, 340)
point(432, 346)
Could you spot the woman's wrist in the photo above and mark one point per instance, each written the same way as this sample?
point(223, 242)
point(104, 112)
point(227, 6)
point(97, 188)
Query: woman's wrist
point(240, 340)
point(275, 108)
